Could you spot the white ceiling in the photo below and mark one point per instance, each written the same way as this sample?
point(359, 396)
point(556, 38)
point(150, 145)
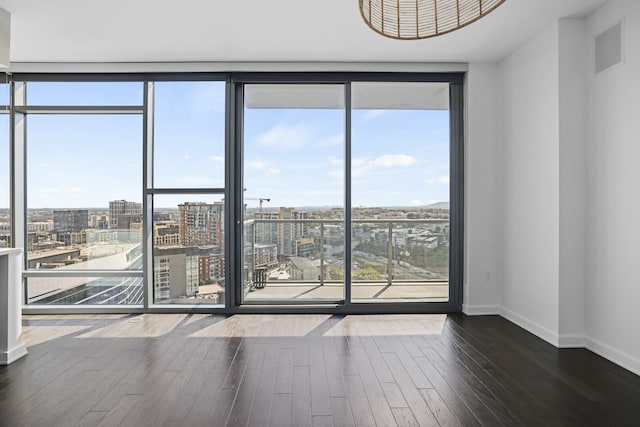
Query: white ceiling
point(256, 30)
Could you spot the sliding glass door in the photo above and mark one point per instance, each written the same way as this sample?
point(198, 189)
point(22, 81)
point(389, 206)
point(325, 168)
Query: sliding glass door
point(293, 193)
point(400, 176)
point(346, 192)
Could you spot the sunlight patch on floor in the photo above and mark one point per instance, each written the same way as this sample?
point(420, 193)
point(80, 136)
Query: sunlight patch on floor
point(389, 325)
point(141, 326)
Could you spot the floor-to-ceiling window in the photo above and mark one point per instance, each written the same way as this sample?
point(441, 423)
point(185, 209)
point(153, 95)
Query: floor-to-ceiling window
point(221, 190)
point(82, 145)
point(187, 192)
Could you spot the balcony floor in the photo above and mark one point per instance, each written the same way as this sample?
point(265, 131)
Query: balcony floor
point(371, 291)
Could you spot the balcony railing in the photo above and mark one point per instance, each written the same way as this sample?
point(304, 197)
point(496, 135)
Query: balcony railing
point(383, 251)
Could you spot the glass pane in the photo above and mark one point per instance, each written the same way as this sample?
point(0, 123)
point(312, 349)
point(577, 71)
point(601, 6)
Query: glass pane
point(84, 186)
point(5, 212)
point(400, 192)
point(85, 290)
point(188, 249)
point(85, 93)
point(293, 179)
point(4, 94)
point(189, 134)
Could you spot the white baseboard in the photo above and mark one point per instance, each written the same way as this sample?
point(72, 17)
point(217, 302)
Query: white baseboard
point(618, 357)
point(531, 326)
point(572, 341)
point(480, 310)
point(610, 353)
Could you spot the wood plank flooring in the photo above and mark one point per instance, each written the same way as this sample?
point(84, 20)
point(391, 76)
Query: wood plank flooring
point(306, 370)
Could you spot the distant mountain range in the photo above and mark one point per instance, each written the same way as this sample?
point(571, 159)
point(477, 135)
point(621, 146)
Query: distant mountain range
point(438, 205)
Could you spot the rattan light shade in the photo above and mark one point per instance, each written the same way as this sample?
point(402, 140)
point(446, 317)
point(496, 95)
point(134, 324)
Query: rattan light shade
point(421, 19)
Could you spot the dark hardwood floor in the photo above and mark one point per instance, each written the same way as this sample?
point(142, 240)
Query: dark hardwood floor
point(313, 370)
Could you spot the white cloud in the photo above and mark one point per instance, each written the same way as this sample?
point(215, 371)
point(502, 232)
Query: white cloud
point(70, 192)
point(44, 165)
point(393, 160)
point(218, 160)
point(362, 165)
point(372, 114)
point(337, 173)
point(331, 141)
point(359, 161)
point(285, 137)
point(444, 179)
point(207, 98)
point(256, 165)
point(416, 202)
point(335, 161)
point(186, 157)
point(259, 165)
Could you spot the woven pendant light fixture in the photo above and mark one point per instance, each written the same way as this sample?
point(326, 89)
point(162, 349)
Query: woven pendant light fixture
point(421, 19)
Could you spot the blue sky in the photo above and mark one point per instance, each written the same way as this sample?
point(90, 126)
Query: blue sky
point(295, 157)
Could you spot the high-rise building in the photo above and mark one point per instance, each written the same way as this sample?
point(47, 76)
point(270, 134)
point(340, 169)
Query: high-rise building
point(201, 224)
point(178, 270)
point(284, 234)
point(175, 272)
point(123, 213)
point(166, 234)
point(266, 232)
point(289, 232)
point(71, 220)
point(69, 225)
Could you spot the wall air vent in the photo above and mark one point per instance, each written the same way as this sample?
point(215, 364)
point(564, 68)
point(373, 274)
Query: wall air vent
point(608, 50)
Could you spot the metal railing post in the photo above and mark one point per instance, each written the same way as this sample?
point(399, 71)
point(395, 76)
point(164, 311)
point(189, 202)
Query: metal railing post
point(253, 252)
point(322, 253)
point(390, 254)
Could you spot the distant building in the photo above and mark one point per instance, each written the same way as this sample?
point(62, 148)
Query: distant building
point(175, 272)
point(201, 224)
point(52, 258)
point(284, 234)
point(69, 226)
point(265, 255)
point(289, 232)
point(303, 269)
point(72, 220)
point(266, 232)
point(101, 222)
point(210, 264)
point(178, 270)
point(166, 234)
point(122, 214)
point(46, 226)
point(305, 247)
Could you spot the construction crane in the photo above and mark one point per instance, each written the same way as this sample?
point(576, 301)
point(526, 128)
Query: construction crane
point(260, 199)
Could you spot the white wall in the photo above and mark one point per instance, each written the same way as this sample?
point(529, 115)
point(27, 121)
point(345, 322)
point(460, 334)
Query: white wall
point(530, 181)
point(482, 188)
point(572, 72)
point(613, 297)
point(553, 187)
